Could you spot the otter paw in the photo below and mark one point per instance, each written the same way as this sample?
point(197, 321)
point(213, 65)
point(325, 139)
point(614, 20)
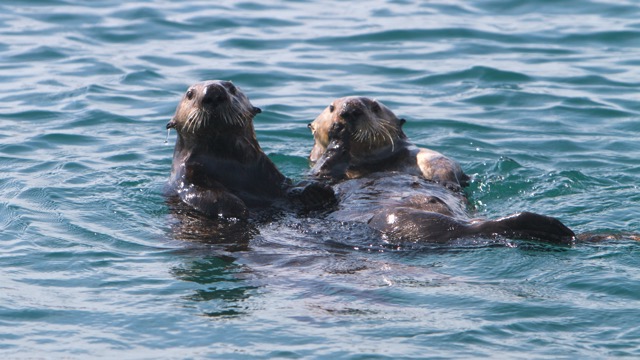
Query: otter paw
point(313, 195)
point(338, 131)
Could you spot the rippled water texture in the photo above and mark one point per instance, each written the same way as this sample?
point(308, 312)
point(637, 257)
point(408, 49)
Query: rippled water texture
point(538, 100)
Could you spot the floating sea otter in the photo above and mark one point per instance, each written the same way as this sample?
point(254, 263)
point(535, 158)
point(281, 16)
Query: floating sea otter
point(408, 194)
point(377, 143)
point(218, 166)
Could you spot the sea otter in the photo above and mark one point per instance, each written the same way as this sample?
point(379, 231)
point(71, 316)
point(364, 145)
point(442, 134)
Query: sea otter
point(379, 144)
point(382, 179)
point(218, 166)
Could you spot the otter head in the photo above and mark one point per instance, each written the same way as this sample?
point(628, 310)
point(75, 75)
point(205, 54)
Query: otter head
point(212, 107)
point(374, 129)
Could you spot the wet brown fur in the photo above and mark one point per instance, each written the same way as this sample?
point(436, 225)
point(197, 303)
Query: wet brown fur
point(406, 193)
point(378, 143)
point(218, 166)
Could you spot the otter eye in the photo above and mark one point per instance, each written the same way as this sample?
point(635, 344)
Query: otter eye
point(189, 94)
point(230, 87)
point(375, 107)
point(331, 108)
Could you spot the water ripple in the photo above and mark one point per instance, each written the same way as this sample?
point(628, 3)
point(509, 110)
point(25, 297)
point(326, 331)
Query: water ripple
point(536, 99)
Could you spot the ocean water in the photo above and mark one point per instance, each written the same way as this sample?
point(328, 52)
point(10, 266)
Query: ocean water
point(538, 100)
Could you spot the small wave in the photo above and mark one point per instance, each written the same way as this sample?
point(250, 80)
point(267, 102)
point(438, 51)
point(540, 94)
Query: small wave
point(476, 74)
point(39, 53)
point(418, 35)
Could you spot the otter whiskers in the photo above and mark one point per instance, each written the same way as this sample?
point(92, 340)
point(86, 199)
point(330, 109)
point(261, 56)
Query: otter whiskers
point(376, 133)
point(197, 119)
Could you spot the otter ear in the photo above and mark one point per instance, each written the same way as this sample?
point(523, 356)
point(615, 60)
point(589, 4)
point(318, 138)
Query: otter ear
point(256, 110)
point(402, 121)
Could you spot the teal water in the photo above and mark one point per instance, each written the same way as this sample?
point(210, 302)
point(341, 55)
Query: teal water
point(538, 100)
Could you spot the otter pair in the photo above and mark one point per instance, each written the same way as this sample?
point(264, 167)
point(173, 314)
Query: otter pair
point(360, 153)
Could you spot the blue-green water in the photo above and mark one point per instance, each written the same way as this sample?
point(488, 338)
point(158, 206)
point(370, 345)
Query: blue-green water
point(538, 100)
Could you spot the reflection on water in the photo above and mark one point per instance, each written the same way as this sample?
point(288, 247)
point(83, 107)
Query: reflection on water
point(191, 226)
point(221, 284)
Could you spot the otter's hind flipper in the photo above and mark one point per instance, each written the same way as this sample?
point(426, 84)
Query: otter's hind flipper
point(529, 226)
point(430, 227)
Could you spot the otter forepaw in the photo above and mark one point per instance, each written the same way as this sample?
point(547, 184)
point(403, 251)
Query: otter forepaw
point(339, 131)
point(313, 195)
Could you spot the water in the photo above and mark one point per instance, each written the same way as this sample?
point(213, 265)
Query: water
point(538, 100)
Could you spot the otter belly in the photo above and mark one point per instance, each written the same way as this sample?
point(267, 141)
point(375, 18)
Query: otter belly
point(362, 199)
point(408, 208)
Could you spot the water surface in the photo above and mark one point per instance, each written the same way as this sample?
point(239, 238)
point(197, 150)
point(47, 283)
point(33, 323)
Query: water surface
point(538, 100)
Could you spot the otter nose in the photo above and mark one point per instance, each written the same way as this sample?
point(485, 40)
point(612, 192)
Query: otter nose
point(213, 93)
point(350, 112)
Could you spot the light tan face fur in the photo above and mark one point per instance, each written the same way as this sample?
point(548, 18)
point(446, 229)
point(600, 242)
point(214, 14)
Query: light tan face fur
point(212, 105)
point(373, 126)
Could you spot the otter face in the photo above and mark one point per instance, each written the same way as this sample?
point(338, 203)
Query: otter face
point(372, 126)
point(211, 106)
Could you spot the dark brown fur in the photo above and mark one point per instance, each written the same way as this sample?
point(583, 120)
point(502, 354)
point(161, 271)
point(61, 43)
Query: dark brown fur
point(380, 182)
point(377, 143)
point(218, 166)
